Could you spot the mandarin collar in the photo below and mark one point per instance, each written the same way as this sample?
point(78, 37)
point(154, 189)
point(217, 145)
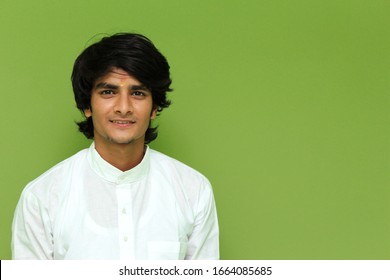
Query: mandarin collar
point(113, 174)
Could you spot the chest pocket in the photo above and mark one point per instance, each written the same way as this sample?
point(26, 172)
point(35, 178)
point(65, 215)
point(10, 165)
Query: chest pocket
point(166, 250)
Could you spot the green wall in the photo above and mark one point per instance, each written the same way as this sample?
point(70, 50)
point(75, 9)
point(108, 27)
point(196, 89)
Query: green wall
point(284, 105)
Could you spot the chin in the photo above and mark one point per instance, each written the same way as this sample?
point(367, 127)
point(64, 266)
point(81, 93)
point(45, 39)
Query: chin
point(122, 141)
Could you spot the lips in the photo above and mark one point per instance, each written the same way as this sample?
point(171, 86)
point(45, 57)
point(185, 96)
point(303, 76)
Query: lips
point(122, 122)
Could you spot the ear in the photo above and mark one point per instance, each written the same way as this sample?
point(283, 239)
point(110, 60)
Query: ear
point(87, 112)
point(154, 112)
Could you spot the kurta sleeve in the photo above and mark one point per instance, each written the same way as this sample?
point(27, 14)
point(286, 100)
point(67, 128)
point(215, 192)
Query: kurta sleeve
point(32, 236)
point(203, 243)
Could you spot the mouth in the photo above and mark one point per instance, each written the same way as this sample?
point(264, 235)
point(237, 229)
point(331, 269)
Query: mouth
point(122, 122)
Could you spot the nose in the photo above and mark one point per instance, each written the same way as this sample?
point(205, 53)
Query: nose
point(123, 105)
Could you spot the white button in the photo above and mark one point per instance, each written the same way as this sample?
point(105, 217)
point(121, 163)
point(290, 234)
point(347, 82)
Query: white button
point(121, 179)
point(124, 211)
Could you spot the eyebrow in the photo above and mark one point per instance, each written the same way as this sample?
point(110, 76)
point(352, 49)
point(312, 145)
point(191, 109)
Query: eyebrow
point(111, 86)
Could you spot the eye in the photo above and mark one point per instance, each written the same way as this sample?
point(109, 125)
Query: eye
point(138, 94)
point(107, 92)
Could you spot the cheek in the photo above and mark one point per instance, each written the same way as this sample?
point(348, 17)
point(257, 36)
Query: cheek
point(99, 107)
point(146, 110)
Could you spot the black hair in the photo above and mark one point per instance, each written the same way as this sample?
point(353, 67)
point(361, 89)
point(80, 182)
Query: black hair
point(135, 54)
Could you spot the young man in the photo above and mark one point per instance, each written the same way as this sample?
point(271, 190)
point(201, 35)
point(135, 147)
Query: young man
point(118, 199)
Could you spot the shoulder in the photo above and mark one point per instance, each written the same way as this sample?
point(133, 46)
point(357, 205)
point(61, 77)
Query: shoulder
point(43, 185)
point(178, 172)
point(172, 165)
point(189, 185)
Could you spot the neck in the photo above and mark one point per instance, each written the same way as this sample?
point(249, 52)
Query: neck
point(122, 156)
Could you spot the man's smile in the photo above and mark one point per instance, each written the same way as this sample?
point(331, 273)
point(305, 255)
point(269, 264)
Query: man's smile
point(122, 123)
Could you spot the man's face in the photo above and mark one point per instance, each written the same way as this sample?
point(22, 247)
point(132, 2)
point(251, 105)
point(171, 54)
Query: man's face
point(121, 109)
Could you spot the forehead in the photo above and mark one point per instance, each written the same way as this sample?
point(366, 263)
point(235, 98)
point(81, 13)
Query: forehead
point(117, 76)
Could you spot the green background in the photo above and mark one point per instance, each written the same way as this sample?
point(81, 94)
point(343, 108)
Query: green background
point(284, 105)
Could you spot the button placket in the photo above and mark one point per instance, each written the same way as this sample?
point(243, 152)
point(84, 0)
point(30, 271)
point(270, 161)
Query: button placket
point(125, 221)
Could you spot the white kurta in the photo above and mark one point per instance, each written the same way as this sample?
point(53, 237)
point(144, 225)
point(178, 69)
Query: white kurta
point(84, 208)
